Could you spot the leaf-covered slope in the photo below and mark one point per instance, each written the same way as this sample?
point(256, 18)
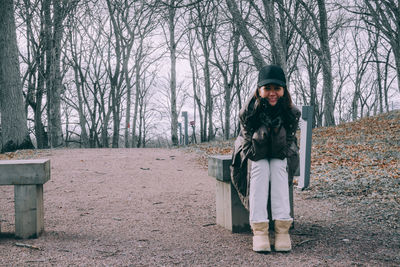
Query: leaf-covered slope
point(359, 158)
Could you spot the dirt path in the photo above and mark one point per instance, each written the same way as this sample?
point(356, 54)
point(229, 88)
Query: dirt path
point(147, 207)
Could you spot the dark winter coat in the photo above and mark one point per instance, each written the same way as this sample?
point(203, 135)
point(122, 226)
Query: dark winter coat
point(265, 133)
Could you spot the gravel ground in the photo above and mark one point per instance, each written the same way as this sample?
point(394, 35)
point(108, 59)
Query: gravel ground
point(156, 207)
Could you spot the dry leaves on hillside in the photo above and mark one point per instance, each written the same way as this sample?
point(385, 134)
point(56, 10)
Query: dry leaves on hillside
point(367, 151)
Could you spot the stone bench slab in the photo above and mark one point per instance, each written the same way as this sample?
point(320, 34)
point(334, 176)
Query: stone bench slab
point(24, 172)
point(218, 167)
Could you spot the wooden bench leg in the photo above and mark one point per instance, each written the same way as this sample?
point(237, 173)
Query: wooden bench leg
point(29, 214)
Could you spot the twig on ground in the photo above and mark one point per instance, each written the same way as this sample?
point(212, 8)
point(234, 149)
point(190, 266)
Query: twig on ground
point(27, 246)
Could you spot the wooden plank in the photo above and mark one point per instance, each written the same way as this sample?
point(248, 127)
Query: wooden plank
point(24, 172)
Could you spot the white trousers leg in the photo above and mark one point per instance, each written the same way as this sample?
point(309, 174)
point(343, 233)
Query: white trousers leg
point(262, 173)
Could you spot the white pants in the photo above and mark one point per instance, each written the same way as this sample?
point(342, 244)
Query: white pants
point(262, 173)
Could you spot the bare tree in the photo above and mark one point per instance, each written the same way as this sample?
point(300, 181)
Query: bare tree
point(362, 56)
point(203, 16)
point(197, 94)
point(172, 9)
point(55, 13)
point(87, 55)
point(14, 131)
point(145, 23)
point(226, 60)
point(322, 50)
point(34, 59)
point(385, 17)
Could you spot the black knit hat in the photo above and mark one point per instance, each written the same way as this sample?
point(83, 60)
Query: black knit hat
point(271, 74)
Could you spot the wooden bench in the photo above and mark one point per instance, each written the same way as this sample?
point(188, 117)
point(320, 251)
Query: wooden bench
point(231, 214)
point(28, 177)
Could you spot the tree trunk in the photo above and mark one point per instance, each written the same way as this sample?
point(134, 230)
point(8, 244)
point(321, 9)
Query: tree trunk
point(277, 50)
point(326, 66)
point(313, 80)
point(172, 47)
point(128, 104)
point(354, 103)
point(135, 113)
point(396, 53)
point(378, 72)
point(194, 84)
point(116, 117)
point(53, 32)
point(104, 132)
point(227, 116)
point(209, 100)
point(82, 117)
point(41, 134)
point(14, 131)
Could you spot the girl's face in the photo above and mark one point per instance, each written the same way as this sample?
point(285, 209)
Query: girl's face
point(271, 92)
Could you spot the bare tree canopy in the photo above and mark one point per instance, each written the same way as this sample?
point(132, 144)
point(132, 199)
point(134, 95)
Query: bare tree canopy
point(100, 73)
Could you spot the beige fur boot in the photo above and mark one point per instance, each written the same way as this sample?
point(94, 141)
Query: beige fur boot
point(260, 237)
point(282, 237)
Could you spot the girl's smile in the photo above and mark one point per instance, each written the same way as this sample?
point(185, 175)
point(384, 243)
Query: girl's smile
point(271, 92)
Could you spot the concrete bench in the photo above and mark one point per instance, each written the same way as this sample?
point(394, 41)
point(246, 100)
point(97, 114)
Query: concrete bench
point(28, 177)
point(231, 214)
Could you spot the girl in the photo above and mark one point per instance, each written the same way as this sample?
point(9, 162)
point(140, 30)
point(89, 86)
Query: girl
point(268, 124)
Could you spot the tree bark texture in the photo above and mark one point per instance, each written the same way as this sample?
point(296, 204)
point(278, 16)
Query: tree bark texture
point(54, 30)
point(137, 92)
point(326, 62)
point(14, 131)
point(277, 49)
point(172, 47)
